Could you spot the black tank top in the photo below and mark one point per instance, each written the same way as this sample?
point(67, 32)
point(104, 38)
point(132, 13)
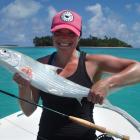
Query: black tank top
point(70, 106)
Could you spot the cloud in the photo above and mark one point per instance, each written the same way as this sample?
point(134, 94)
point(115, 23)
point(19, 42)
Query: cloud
point(95, 9)
point(33, 19)
point(100, 24)
point(110, 25)
point(136, 34)
point(128, 6)
point(21, 9)
point(51, 12)
point(16, 21)
point(138, 8)
point(96, 21)
point(133, 7)
point(41, 26)
point(19, 38)
point(38, 26)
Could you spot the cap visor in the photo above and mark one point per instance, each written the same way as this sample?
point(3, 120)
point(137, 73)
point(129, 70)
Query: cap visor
point(64, 26)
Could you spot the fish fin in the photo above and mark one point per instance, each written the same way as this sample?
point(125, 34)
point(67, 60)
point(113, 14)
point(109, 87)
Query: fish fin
point(52, 68)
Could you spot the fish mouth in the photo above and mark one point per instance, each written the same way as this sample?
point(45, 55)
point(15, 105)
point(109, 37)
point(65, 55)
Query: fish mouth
point(10, 58)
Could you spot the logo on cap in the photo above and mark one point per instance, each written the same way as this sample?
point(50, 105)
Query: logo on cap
point(67, 16)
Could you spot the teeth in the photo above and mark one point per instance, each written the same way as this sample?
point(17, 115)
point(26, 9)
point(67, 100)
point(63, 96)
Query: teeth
point(64, 44)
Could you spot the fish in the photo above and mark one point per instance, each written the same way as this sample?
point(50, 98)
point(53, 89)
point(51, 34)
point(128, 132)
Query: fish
point(44, 76)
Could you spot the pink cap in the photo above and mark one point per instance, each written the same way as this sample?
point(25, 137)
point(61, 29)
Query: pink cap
point(68, 20)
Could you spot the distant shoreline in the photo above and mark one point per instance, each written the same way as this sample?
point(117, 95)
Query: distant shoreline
point(100, 47)
point(52, 46)
point(9, 45)
point(86, 47)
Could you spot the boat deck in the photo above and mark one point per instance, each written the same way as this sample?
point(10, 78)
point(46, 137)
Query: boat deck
point(18, 126)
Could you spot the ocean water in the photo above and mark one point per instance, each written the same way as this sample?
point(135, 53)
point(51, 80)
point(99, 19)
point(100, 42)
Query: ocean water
point(127, 98)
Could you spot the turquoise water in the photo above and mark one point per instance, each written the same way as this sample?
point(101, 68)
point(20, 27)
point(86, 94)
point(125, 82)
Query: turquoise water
point(127, 98)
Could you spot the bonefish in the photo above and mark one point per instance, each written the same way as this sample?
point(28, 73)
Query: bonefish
point(44, 76)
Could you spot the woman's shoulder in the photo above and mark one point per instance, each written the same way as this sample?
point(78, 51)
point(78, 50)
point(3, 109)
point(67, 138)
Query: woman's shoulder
point(45, 59)
point(98, 57)
point(91, 57)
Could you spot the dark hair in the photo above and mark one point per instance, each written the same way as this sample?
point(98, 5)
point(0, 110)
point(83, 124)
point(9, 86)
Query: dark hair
point(81, 30)
point(78, 48)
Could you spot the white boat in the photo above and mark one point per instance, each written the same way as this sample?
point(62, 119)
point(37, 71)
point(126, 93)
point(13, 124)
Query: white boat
point(19, 127)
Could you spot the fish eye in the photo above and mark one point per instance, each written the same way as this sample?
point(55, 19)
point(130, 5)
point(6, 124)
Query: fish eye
point(4, 51)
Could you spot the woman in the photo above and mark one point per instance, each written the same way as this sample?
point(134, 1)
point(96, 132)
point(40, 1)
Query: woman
point(79, 67)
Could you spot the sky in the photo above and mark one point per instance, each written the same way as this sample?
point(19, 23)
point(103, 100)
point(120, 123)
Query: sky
point(22, 20)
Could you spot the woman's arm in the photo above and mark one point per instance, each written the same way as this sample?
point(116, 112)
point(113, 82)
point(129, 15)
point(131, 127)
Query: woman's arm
point(125, 72)
point(30, 94)
point(27, 92)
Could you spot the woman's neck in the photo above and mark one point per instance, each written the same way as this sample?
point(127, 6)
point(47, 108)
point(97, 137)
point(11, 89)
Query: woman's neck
point(62, 58)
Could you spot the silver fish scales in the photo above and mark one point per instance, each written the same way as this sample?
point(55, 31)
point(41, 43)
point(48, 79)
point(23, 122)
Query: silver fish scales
point(44, 76)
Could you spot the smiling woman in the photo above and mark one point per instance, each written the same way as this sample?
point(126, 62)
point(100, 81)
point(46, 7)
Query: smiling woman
point(83, 69)
point(65, 38)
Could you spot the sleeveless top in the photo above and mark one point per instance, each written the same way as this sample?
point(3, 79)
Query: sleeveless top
point(51, 122)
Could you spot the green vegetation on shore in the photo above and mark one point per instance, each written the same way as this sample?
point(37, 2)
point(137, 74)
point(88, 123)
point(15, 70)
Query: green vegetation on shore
point(89, 42)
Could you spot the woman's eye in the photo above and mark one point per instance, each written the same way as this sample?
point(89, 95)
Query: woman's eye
point(72, 34)
point(64, 34)
point(57, 33)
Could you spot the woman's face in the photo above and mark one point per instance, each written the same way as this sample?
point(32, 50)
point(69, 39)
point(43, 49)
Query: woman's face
point(65, 39)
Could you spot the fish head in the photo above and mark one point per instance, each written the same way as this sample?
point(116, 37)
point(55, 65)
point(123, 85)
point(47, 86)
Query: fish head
point(9, 57)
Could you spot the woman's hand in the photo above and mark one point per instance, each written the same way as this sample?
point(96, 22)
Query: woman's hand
point(20, 80)
point(99, 91)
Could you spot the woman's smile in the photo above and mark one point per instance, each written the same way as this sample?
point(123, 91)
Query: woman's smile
point(64, 44)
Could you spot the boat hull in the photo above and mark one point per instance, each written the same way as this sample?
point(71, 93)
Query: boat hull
point(18, 126)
